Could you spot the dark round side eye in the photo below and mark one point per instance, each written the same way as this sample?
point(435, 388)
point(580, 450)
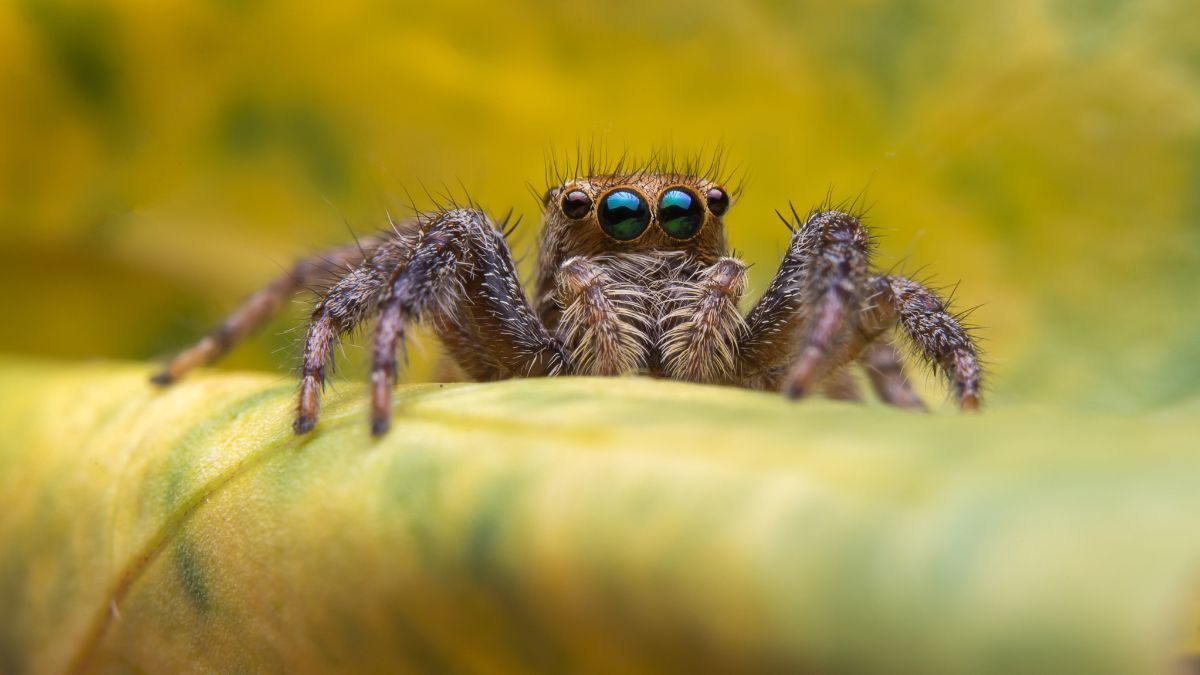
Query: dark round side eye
point(680, 213)
point(576, 204)
point(623, 214)
point(718, 201)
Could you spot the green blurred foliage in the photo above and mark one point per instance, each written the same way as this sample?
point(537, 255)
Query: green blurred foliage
point(158, 160)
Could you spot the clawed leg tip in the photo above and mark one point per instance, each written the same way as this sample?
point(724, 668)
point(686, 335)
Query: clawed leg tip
point(161, 379)
point(303, 424)
point(380, 426)
point(969, 403)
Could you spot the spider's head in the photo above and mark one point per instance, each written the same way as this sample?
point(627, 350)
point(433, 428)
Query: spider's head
point(637, 213)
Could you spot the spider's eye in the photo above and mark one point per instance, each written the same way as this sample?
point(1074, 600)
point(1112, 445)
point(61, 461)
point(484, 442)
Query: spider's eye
point(718, 201)
point(623, 214)
point(576, 204)
point(680, 213)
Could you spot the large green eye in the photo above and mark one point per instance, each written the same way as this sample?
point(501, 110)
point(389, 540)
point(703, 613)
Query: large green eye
point(680, 213)
point(623, 214)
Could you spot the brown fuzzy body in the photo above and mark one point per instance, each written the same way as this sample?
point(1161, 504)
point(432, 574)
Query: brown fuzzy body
point(633, 277)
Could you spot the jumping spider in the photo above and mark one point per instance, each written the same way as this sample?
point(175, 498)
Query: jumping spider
point(633, 276)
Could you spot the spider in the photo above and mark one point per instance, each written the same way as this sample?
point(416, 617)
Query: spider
point(633, 276)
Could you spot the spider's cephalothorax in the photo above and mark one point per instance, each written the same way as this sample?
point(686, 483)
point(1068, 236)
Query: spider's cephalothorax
point(633, 276)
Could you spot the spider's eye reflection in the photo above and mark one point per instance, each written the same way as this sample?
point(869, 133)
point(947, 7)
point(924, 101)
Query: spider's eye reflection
point(718, 201)
point(680, 213)
point(623, 214)
point(576, 204)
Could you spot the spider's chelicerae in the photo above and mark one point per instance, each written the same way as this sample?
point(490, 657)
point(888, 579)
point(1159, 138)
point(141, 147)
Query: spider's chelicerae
point(633, 276)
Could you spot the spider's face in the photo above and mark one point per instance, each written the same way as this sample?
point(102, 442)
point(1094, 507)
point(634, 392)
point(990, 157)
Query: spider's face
point(641, 213)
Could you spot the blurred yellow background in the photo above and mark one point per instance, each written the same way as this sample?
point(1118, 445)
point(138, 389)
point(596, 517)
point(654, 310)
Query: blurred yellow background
point(160, 160)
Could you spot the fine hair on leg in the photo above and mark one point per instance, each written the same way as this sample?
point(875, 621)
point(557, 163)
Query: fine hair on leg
point(264, 304)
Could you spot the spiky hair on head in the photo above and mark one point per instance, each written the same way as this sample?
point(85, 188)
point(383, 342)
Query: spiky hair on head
point(596, 159)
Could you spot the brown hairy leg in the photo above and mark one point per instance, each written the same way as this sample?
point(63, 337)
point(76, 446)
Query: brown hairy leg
point(825, 301)
point(603, 322)
point(882, 363)
point(347, 304)
point(264, 304)
point(939, 336)
point(461, 276)
point(834, 273)
point(701, 326)
point(806, 324)
point(772, 323)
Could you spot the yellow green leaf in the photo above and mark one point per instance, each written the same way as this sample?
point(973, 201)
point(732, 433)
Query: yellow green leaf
point(582, 525)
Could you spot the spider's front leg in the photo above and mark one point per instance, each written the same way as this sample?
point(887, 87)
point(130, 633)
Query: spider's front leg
point(345, 306)
point(824, 308)
point(603, 322)
point(461, 277)
point(701, 325)
point(943, 342)
point(264, 304)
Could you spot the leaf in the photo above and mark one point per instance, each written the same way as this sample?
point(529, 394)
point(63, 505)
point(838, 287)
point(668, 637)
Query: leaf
point(582, 525)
